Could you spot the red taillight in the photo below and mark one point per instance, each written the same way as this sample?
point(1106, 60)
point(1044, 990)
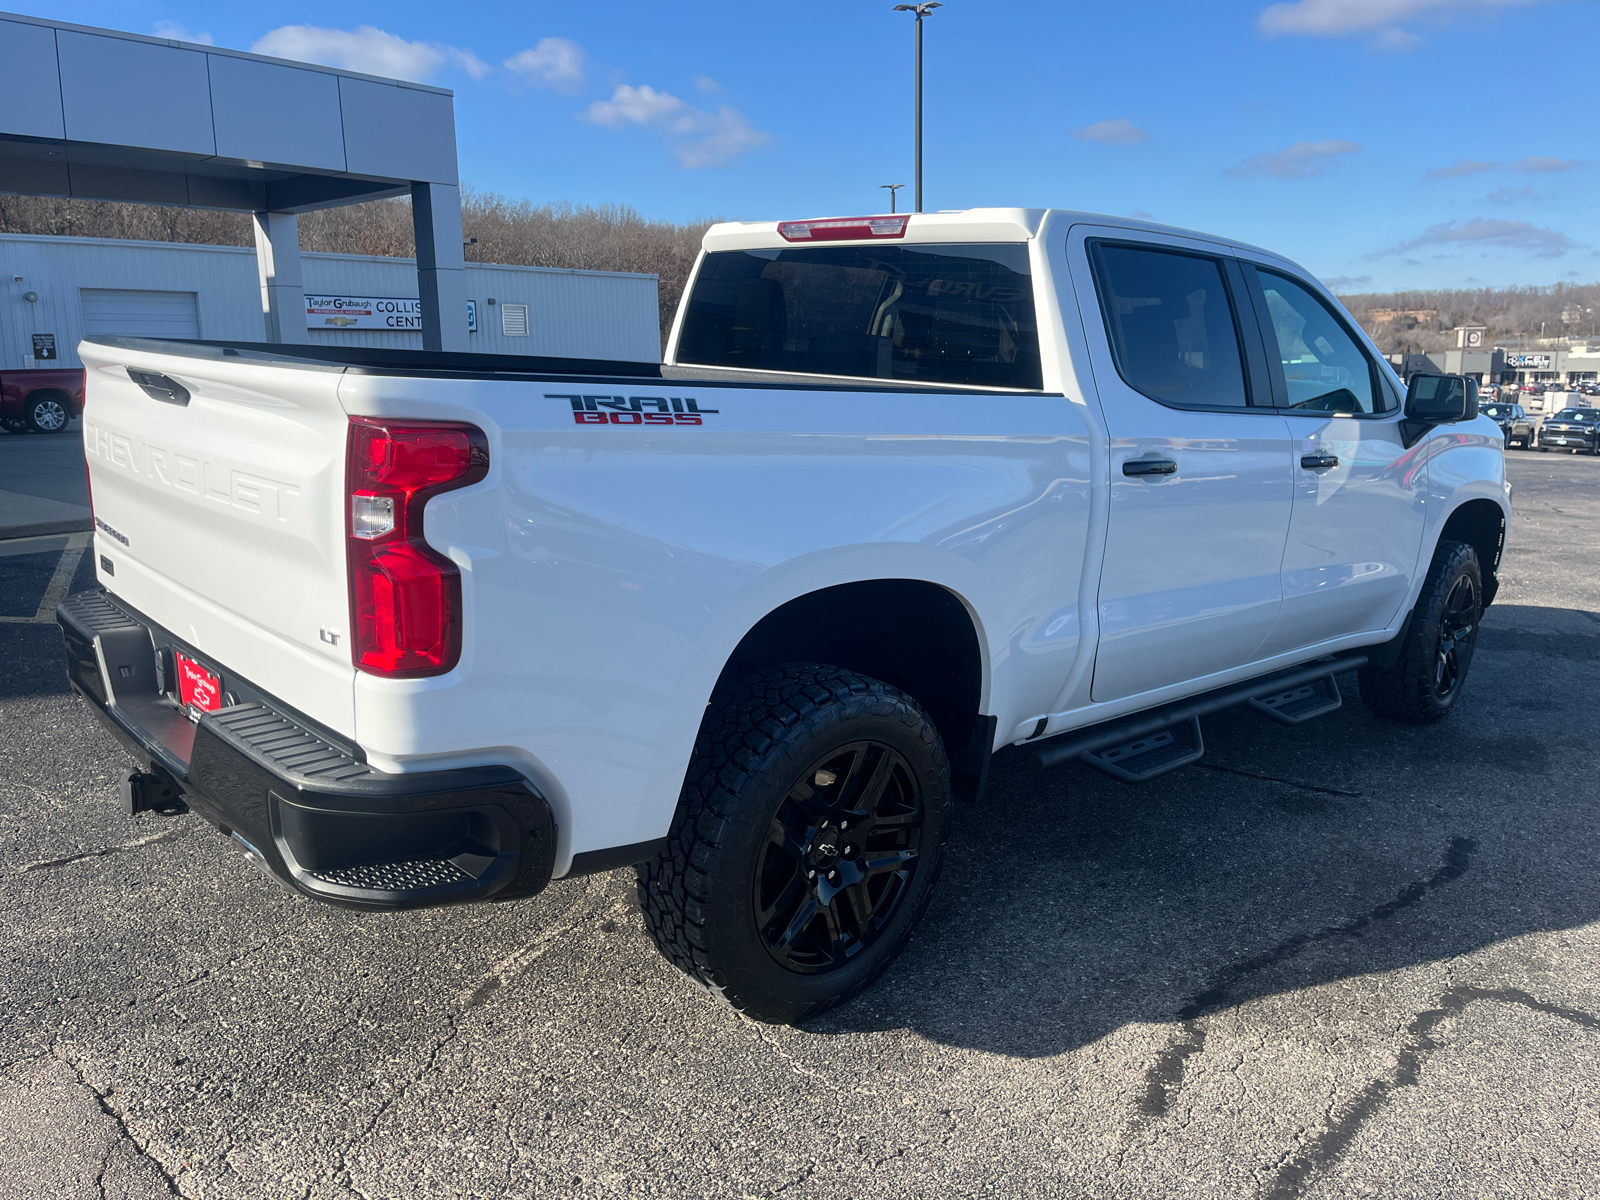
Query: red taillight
point(405, 598)
point(843, 229)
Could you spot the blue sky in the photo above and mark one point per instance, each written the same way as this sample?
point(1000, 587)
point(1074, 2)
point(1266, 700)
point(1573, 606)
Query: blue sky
point(1381, 143)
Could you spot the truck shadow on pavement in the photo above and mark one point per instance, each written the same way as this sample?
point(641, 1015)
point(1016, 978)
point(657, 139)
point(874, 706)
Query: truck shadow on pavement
point(1072, 905)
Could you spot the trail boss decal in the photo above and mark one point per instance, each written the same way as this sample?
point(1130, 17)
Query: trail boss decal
point(633, 410)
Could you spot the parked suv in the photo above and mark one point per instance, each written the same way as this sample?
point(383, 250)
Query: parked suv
point(1514, 423)
point(1572, 429)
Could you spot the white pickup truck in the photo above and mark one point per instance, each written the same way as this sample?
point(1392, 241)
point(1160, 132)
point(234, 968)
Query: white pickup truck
point(419, 628)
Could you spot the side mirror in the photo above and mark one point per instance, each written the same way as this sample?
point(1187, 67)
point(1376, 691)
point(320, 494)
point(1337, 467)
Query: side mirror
point(1441, 399)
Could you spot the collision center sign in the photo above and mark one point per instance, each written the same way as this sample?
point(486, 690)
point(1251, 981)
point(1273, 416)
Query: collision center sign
point(363, 312)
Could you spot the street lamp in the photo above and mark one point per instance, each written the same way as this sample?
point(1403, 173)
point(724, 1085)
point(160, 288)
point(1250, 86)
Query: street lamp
point(893, 188)
point(921, 10)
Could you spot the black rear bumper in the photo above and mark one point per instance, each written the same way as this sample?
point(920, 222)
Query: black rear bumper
point(301, 800)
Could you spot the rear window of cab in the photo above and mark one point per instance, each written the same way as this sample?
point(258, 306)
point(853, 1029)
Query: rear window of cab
point(958, 314)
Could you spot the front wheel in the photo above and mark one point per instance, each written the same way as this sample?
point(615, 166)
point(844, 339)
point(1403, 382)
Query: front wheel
point(806, 843)
point(1427, 676)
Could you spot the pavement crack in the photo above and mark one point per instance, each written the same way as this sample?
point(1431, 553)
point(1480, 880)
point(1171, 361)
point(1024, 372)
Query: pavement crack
point(1290, 1180)
point(1164, 1078)
point(512, 965)
point(155, 839)
point(122, 1127)
point(1294, 783)
point(795, 1064)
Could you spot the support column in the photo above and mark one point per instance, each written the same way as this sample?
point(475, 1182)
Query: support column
point(441, 268)
point(283, 291)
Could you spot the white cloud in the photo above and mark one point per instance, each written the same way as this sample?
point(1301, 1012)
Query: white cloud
point(1510, 195)
point(369, 50)
point(1139, 214)
point(1538, 164)
point(707, 84)
point(1383, 19)
point(179, 33)
point(1299, 160)
point(641, 105)
point(1462, 166)
point(1343, 283)
point(1117, 132)
point(554, 62)
point(1512, 235)
point(698, 138)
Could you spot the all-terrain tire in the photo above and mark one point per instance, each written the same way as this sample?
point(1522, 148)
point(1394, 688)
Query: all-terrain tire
point(1431, 669)
point(758, 750)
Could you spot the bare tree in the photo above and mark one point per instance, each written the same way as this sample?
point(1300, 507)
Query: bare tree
point(516, 232)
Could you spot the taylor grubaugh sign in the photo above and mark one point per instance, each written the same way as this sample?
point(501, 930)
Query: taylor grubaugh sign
point(372, 312)
point(363, 312)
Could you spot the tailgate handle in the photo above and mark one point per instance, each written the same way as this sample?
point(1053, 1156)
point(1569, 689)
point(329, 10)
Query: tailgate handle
point(160, 387)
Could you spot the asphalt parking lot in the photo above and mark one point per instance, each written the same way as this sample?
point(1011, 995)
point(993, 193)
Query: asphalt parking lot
point(1355, 959)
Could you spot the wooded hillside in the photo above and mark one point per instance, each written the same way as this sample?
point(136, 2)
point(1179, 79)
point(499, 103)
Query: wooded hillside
point(1421, 321)
point(517, 232)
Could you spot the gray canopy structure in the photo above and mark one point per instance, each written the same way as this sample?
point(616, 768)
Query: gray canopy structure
point(99, 115)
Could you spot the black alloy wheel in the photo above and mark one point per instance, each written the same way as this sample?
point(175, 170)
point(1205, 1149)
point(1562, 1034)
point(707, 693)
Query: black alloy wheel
point(1419, 678)
point(839, 858)
point(1458, 632)
point(807, 842)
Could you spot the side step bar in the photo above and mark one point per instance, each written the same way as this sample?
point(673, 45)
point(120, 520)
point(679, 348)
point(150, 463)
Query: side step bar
point(1165, 739)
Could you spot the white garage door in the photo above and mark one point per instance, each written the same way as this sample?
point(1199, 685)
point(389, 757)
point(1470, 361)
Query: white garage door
point(134, 313)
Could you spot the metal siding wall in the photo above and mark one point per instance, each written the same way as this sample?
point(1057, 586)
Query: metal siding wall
point(580, 314)
point(224, 279)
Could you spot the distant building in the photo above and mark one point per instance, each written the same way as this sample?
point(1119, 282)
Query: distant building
point(65, 288)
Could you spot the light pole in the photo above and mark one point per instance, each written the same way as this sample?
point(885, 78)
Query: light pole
point(921, 10)
point(893, 188)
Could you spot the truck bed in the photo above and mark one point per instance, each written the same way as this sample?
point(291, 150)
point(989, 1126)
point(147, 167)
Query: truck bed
point(435, 364)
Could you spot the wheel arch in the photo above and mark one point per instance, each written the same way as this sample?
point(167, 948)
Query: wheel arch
point(1481, 523)
point(915, 635)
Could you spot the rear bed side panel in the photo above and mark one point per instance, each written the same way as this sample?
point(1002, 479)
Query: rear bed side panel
point(609, 570)
point(223, 519)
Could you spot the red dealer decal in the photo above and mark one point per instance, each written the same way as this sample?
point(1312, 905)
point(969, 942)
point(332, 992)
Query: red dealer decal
point(633, 410)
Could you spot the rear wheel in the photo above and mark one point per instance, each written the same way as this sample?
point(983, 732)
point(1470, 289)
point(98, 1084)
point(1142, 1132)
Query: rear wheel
point(806, 844)
point(1427, 677)
point(47, 414)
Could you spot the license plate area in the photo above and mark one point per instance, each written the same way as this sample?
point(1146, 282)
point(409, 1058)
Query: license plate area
point(199, 688)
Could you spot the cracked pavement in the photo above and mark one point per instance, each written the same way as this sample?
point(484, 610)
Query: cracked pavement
point(1352, 959)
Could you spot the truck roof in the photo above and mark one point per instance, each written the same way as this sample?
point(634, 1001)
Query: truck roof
point(956, 225)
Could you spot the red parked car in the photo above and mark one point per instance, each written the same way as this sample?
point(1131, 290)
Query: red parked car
point(40, 400)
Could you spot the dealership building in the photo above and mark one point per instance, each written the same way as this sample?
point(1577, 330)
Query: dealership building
point(97, 114)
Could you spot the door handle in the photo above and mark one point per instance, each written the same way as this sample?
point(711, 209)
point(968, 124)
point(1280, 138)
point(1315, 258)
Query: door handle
point(1319, 461)
point(1149, 466)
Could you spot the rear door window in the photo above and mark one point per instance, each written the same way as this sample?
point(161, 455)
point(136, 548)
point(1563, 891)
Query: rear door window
point(1174, 334)
point(933, 314)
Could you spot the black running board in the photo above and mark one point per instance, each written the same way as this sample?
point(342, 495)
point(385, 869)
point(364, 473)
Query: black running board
point(1164, 739)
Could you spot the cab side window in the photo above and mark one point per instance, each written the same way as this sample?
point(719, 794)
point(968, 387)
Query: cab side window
point(1172, 325)
point(1324, 368)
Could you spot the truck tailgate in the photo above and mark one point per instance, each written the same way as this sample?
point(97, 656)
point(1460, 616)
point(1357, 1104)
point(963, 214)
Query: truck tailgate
point(221, 516)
